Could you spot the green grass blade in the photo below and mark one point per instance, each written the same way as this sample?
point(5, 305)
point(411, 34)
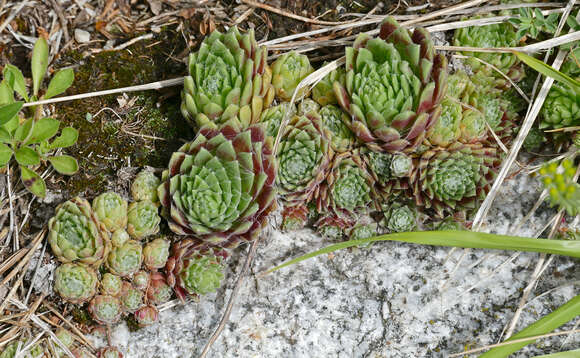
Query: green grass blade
point(466, 239)
point(565, 313)
point(548, 70)
point(567, 354)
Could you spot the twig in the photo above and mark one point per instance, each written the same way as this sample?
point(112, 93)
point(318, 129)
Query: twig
point(61, 19)
point(228, 311)
point(126, 44)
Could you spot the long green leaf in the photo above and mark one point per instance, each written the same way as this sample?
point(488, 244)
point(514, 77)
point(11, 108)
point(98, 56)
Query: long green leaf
point(548, 70)
point(545, 325)
point(467, 239)
point(567, 354)
point(39, 63)
point(8, 112)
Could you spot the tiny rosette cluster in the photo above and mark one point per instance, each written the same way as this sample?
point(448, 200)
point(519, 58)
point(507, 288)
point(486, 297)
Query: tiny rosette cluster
point(228, 78)
point(220, 187)
point(393, 88)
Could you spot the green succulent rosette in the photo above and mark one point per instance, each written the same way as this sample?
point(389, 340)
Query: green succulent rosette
point(159, 291)
point(456, 178)
point(75, 283)
point(144, 187)
point(333, 227)
point(294, 217)
point(228, 78)
point(393, 88)
point(194, 269)
point(561, 108)
point(287, 72)
point(105, 309)
point(490, 36)
point(141, 280)
point(111, 284)
point(362, 231)
point(447, 129)
point(534, 139)
point(143, 219)
point(335, 122)
point(131, 298)
point(304, 155)
point(75, 233)
point(390, 172)
point(450, 223)
point(323, 92)
point(111, 210)
point(110, 352)
point(348, 188)
point(125, 260)
point(307, 106)
point(9, 351)
point(156, 253)
point(220, 187)
point(472, 127)
point(273, 116)
point(146, 315)
point(399, 217)
point(119, 237)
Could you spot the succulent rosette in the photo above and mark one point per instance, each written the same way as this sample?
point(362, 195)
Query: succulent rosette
point(447, 129)
point(273, 116)
point(75, 283)
point(333, 227)
point(495, 35)
point(111, 210)
point(455, 178)
point(156, 253)
point(110, 352)
point(399, 217)
point(105, 309)
point(334, 121)
point(362, 231)
point(141, 280)
point(228, 78)
point(159, 291)
point(561, 108)
point(131, 298)
point(307, 106)
point(220, 187)
point(534, 140)
point(348, 188)
point(111, 284)
point(394, 86)
point(65, 337)
point(75, 233)
point(119, 237)
point(125, 260)
point(323, 92)
point(294, 217)
point(287, 72)
point(146, 315)
point(304, 156)
point(450, 223)
point(472, 127)
point(390, 172)
point(194, 269)
point(143, 219)
point(145, 186)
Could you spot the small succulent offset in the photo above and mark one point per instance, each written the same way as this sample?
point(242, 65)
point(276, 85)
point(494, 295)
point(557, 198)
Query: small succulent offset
point(111, 210)
point(362, 231)
point(193, 269)
point(307, 106)
point(558, 179)
point(389, 171)
point(75, 233)
point(9, 351)
point(454, 178)
point(334, 120)
point(323, 92)
point(125, 260)
point(146, 315)
point(561, 108)
point(131, 298)
point(304, 156)
point(145, 186)
point(30, 141)
point(531, 22)
point(110, 352)
point(273, 116)
point(141, 280)
point(75, 283)
point(393, 88)
point(119, 237)
point(111, 284)
point(287, 72)
point(220, 187)
point(143, 219)
point(399, 218)
point(105, 309)
point(228, 78)
point(159, 291)
point(294, 217)
point(448, 128)
point(332, 226)
point(156, 253)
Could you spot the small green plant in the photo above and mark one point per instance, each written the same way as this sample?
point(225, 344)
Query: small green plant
point(31, 141)
point(532, 22)
point(558, 179)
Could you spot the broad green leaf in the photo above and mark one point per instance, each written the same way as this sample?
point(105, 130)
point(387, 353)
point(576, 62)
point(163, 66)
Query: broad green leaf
point(6, 93)
point(12, 124)
point(14, 76)
point(27, 156)
point(39, 63)
point(566, 354)
point(24, 130)
point(64, 164)
point(5, 154)
point(44, 128)
point(4, 135)
point(60, 82)
point(548, 70)
point(466, 239)
point(33, 182)
point(67, 137)
point(565, 313)
point(8, 111)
